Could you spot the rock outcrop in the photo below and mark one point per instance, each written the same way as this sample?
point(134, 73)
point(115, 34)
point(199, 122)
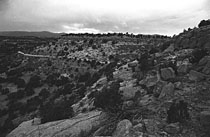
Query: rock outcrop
point(77, 126)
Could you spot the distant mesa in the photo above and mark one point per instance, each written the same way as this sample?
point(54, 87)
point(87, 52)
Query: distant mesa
point(30, 34)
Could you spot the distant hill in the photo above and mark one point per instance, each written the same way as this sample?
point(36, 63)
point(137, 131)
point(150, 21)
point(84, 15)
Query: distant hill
point(30, 33)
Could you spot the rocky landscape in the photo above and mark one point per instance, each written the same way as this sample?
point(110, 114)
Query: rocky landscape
point(106, 85)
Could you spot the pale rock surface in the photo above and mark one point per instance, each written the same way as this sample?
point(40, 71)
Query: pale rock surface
point(129, 92)
point(74, 127)
point(125, 129)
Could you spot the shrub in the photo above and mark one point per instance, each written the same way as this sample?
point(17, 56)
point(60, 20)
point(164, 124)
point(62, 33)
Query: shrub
point(204, 23)
point(62, 81)
point(5, 91)
point(52, 78)
point(67, 88)
point(44, 93)
point(144, 65)
point(29, 91)
point(153, 50)
point(165, 45)
point(84, 77)
point(34, 82)
point(197, 55)
point(178, 112)
point(55, 111)
point(16, 95)
point(20, 82)
point(91, 42)
point(3, 112)
point(109, 98)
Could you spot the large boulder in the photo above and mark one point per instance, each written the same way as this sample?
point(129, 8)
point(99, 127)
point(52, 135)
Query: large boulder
point(124, 73)
point(205, 118)
point(150, 80)
point(206, 69)
point(167, 73)
point(183, 69)
point(129, 92)
point(123, 128)
point(173, 128)
point(205, 121)
point(169, 49)
point(152, 126)
point(205, 62)
point(75, 127)
point(133, 64)
point(167, 90)
point(196, 76)
point(126, 129)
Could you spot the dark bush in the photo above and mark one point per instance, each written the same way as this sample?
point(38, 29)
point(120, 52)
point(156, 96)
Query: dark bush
point(33, 104)
point(178, 112)
point(67, 88)
point(3, 112)
point(55, 111)
point(61, 53)
point(14, 106)
point(19, 82)
point(104, 41)
point(91, 42)
point(204, 23)
point(153, 50)
point(109, 98)
point(16, 95)
point(29, 91)
point(197, 55)
point(62, 81)
point(66, 48)
point(2, 80)
point(84, 77)
point(44, 93)
point(8, 126)
point(165, 45)
point(5, 91)
point(52, 79)
point(143, 61)
point(80, 48)
point(34, 82)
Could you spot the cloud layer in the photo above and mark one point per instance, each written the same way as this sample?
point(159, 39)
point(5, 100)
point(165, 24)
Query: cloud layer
point(136, 16)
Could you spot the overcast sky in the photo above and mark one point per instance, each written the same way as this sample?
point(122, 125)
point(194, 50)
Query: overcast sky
point(166, 17)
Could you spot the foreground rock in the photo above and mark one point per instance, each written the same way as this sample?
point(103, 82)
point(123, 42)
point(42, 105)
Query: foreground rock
point(205, 121)
point(167, 73)
point(75, 127)
point(167, 91)
point(196, 76)
point(126, 129)
point(205, 118)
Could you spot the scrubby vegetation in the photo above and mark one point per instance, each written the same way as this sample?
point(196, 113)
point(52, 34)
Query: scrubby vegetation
point(109, 98)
